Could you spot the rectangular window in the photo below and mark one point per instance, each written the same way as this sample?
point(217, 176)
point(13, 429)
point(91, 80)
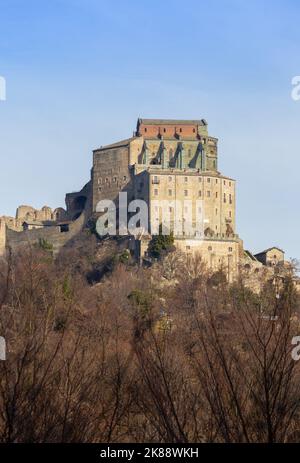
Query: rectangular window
point(185, 179)
point(208, 180)
point(216, 194)
point(170, 192)
point(185, 193)
point(200, 193)
point(156, 192)
point(208, 194)
point(224, 198)
point(230, 199)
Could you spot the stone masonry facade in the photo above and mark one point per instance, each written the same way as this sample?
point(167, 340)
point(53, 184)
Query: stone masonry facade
point(164, 161)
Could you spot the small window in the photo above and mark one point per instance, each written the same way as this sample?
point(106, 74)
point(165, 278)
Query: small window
point(170, 192)
point(180, 130)
point(208, 180)
point(216, 194)
point(124, 178)
point(230, 249)
point(229, 183)
point(194, 130)
point(185, 193)
point(64, 228)
point(209, 248)
point(200, 179)
point(230, 214)
point(188, 248)
point(164, 130)
point(224, 199)
point(208, 194)
point(224, 182)
point(200, 193)
point(185, 179)
point(145, 129)
point(156, 192)
point(170, 179)
point(216, 180)
point(216, 211)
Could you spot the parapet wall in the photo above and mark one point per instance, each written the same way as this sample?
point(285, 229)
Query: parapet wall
point(14, 240)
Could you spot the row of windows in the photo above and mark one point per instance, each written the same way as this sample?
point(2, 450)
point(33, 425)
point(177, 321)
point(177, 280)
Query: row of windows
point(186, 179)
point(229, 249)
point(208, 194)
point(108, 180)
point(164, 130)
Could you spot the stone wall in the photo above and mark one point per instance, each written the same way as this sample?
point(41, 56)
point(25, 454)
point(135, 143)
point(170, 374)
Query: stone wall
point(13, 240)
point(111, 174)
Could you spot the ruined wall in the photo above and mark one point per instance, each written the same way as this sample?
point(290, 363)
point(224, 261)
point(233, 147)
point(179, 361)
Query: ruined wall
point(16, 240)
point(2, 237)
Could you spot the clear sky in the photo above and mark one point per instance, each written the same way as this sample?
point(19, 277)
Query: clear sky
point(80, 72)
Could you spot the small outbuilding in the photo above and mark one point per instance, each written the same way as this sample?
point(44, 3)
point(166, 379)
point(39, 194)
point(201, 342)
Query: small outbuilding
point(271, 256)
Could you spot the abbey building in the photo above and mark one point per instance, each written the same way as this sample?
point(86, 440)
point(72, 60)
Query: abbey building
point(165, 162)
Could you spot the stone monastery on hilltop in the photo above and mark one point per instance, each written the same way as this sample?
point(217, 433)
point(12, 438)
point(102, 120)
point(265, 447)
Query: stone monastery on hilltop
point(165, 160)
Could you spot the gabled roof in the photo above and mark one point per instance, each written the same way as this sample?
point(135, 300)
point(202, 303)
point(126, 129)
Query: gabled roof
point(250, 255)
point(267, 250)
point(118, 144)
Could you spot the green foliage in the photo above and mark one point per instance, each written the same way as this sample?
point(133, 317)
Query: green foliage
point(161, 244)
point(91, 226)
point(141, 302)
point(242, 295)
point(67, 288)
point(124, 258)
point(45, 245)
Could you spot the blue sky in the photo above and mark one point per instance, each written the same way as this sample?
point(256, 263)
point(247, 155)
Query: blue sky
point(80, 72)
